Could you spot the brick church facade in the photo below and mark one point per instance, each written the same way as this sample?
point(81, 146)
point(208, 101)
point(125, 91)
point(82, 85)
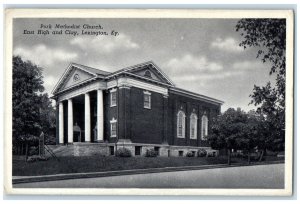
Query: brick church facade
point(137, 107)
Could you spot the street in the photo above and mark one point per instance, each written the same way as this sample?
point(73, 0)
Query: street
point(262, 176)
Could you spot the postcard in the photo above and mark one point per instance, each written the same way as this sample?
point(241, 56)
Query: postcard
point(149, 102)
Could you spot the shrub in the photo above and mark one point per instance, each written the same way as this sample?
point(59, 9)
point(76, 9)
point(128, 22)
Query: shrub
point(150, 153)
point(123, 152)
point(202, 153)
point(210, 154)
point(190, 154)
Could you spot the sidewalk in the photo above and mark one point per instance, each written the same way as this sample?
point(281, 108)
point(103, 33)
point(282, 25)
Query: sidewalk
point(29, 179)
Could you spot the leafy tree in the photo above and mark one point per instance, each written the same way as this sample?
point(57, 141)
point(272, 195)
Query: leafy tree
point(47, 119)
point(31, 108)
point(257, 132)
point(236, 129)
point(227, 131)
point(269, 36)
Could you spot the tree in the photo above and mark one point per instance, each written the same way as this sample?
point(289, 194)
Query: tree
point(257, 132)
point(269, 36)
point(30, 106)
point(236, 129)
point(228, 131)
point(47, 119)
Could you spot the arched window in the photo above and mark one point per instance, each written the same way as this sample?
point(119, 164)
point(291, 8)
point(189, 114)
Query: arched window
point(193, 126)
point(181, 124)
point(204, 127)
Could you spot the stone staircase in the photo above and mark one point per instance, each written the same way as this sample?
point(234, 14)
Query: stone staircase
point(78, 149)
point(61, 150)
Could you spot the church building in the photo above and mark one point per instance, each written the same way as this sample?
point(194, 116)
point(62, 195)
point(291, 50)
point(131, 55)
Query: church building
point(137, 107)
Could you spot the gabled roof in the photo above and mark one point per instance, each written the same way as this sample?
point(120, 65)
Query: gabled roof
point(196, 95)
point(97, 73)
point(131, 71)
point(94, 74)
point(91, 69)
point(140, 66)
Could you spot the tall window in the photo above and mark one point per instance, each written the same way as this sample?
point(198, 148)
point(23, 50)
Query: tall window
point(113, 97)
point(113, 128)
point(193, 126)
point(180, 124)
point(147, 99)
point(204, 128)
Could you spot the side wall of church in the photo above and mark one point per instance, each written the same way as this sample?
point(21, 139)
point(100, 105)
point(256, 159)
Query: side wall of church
point(146, 126)
point(188, 105)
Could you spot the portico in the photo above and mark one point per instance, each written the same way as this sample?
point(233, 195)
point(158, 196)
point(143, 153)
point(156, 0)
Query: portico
point(87, 116)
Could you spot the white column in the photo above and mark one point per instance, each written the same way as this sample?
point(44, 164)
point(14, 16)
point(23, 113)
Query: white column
point(100, 119)
point(61, 122)
point(70, 121)
point(87, 117)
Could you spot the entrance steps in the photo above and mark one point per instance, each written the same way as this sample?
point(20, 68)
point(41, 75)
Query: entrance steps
point(61, 150)
point(79, 149)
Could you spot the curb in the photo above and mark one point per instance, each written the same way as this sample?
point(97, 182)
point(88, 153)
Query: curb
point(31, 179)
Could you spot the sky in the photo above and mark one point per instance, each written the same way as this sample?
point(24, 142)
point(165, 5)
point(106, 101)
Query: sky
point(199, 55)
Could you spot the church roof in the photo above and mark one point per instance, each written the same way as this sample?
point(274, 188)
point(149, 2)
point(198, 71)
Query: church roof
point(160, 77)
point(130, 69)
point(196, 95)
point(140, 66)
point(91, 69)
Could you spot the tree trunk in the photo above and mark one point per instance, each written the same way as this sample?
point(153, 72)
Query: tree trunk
point(26, 153)
point(261, 155)
point(39, 146)
point(249, 156)
point(229, 156)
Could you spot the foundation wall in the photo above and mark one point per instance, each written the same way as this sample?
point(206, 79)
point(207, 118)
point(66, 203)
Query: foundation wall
point(109, 149)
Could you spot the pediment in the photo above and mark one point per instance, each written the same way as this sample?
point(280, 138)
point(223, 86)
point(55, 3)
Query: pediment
point(148, 73)
point(71, 77)
point(75, 77)
point(151, 71)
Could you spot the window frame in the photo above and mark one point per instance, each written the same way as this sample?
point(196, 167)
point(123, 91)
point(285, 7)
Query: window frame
point(183, 124)
point(204, 130)
point(113, 92)
point(148, 94)
point(157, 150)
point(111, 150)
point(194, 117)
point(138, 149)
point(113, 123)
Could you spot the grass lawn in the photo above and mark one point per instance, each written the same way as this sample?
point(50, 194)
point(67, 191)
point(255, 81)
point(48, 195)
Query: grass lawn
point(111, 163)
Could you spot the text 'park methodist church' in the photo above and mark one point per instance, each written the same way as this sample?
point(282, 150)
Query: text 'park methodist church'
point(138, 108)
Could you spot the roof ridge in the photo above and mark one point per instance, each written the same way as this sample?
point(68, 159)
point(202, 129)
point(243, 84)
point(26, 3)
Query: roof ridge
point(88, 67)
point(138, 65)
point(129, 67)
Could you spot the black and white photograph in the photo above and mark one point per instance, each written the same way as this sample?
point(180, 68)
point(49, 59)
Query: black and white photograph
point(156, 101)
